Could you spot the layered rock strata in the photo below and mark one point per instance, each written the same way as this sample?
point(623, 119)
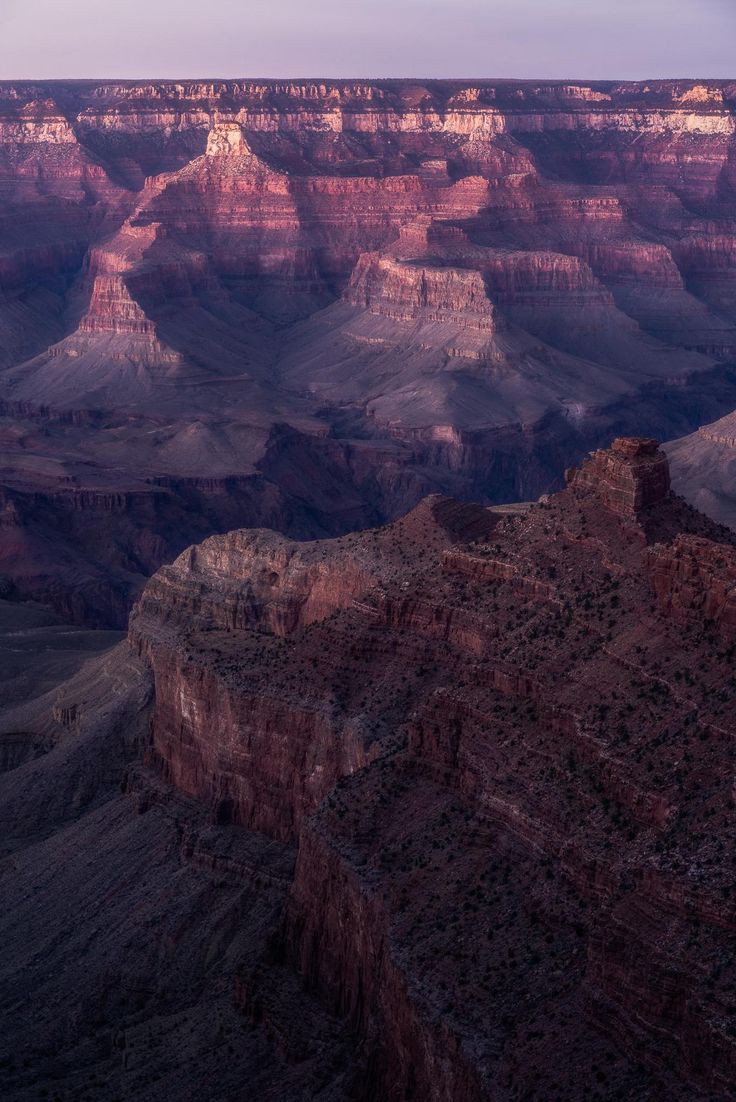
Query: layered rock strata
point(631, 476)
point(499, 741)
point(478, 281)
point(695, 580)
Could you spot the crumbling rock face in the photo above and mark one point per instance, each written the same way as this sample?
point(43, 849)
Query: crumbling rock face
point(629, 478)
point(250, 578)
point(409, 291)
point(695, 580)
point(261, 587)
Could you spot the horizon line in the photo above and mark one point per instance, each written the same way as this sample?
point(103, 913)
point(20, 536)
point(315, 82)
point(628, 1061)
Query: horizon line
point(378, 79)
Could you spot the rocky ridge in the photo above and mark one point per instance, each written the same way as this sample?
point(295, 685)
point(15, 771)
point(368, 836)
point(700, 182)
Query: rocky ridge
point(631, 476)
point(495, 744)
point(496, 677)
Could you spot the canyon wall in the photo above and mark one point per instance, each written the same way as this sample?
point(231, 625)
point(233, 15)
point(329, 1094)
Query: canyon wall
point(704, 468)
point(309, 304)
point(499, 741)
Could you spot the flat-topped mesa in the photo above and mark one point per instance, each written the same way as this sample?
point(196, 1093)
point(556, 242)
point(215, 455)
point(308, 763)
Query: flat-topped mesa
point(421, 292)
point(630, 476)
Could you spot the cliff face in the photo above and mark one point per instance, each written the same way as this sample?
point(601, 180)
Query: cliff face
point(261, 590)
point(499, 743)
point(452, 286)
point(632, 476)
point(127, 959)
point(407, 292)
point(695, 579)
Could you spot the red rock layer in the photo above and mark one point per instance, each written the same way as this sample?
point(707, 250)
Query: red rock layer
point(632, 476)
point(256, 583)
point(695, 579)
point(501, 744)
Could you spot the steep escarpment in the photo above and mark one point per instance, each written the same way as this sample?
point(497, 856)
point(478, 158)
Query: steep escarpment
point(499, 742)
point(441, 907)
point(147, 911)
point(477, 281)
point(695, 579)
point(259, 591)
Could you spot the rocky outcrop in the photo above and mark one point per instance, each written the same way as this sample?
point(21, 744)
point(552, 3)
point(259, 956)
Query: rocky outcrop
point(251, 578)
point(495, 737)
point(409, 292)
point(695, 581)
point(441, 308)
point(629, 478)
point(270, 589)
point(197, 716)
point(406, 811)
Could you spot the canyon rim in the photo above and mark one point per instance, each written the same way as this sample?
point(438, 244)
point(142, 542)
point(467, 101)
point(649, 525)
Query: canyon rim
point(367, 579)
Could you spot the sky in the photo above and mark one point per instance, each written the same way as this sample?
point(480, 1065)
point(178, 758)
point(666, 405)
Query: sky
point(581, 39)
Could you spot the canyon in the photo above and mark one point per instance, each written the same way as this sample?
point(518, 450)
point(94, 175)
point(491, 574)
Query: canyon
point(307, 305)
point(439, 810)
point(366, 663)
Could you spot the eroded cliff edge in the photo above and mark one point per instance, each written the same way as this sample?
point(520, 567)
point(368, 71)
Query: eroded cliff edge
point(500, 742)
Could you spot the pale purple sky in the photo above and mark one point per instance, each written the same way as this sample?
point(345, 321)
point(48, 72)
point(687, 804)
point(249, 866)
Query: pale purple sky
point(371, 38)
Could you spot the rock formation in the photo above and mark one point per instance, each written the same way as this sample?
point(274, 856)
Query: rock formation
point(410, 813)
point(629, 478)
point(695, 579)
point(306, 305)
